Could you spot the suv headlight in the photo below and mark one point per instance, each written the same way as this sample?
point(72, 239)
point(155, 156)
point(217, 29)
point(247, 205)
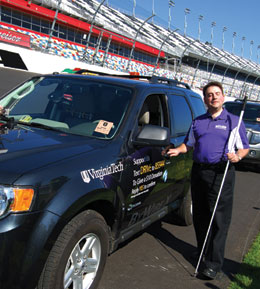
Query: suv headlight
point(255, 139)
point(15, 199)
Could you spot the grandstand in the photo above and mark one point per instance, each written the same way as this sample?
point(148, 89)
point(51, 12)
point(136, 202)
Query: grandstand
point(101, 35)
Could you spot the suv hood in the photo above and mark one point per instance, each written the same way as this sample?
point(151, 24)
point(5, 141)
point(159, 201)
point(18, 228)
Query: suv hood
point(23, 150)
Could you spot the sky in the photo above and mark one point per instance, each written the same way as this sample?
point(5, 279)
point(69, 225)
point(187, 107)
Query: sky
point(240, 16)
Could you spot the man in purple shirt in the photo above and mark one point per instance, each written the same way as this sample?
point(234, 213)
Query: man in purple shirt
point(211, 136)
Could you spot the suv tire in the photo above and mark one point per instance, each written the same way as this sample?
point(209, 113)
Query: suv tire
point(183, 216)
point(79, 254)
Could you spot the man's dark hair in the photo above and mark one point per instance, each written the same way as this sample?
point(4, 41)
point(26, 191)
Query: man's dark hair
point(212, 83)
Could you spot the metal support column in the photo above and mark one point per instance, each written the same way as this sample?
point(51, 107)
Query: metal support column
point(90, 30)
point(53, 26)
point(133, 47)
point(164, 41)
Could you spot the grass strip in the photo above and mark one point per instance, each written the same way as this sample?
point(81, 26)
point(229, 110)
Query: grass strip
point(248, 276)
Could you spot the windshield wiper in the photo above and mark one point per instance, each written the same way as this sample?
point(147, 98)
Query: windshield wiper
point(39, 125)
point(11, 123)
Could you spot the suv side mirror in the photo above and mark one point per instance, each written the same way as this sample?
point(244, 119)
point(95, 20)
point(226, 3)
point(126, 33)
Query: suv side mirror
point(152, 135)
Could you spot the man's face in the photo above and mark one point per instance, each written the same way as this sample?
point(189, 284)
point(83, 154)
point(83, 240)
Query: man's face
point(214, 98)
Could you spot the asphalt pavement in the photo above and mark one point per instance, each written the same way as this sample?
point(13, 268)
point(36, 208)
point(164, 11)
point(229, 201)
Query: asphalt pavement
point(159, 258)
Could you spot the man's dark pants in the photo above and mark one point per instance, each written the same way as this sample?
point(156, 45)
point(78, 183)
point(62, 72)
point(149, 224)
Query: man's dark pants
point(205, 185)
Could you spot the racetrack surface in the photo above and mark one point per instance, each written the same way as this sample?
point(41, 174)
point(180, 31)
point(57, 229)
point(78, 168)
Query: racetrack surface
point(12, 77)
point(159, 257)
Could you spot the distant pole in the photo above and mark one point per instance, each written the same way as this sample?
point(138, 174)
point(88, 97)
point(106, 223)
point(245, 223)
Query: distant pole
point(213, 24)
point(134, 8)
point(251, 48)
point(200, 19)
point(171, 4)
point(258, 47)
point(153, 11)
point(233, 42)
point(223, 39)
point(186, 12)
point(242, 46)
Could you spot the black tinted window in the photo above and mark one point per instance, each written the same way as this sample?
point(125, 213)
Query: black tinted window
point(252, 111)
point(181, 114)
point(197, 105)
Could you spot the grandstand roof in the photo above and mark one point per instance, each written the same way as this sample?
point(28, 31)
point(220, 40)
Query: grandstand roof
point(151, 34)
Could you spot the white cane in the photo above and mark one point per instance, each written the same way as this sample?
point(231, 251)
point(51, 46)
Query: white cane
point(221, 186)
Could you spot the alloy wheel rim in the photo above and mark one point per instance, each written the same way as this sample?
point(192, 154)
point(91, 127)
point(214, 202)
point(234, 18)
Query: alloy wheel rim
point(83, 263)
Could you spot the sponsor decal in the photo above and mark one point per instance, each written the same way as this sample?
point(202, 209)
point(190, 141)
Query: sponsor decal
point(149, 210)
point(223, 127)
point(141, 160)
point(143, 183)
point(14, 37)
point(132, 206)
point(165, 176)
point(149, 168)
point(100, 173)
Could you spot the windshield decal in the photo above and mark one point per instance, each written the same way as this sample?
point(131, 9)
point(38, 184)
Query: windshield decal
point(104, 127)
point(25, 118)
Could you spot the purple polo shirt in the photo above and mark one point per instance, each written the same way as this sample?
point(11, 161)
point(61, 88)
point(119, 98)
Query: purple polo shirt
point(212, 138)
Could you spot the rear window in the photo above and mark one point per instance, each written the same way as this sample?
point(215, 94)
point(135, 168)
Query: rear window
point(252, 111)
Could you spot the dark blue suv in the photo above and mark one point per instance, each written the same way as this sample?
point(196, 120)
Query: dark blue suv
point(81, 171)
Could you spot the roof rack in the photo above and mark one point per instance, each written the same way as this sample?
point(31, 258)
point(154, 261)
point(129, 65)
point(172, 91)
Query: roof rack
point(151, 78)
point(249, 100)
point(164, 80)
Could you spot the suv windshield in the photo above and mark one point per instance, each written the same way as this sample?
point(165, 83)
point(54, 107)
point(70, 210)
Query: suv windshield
point(251, 114)
point(76, 106)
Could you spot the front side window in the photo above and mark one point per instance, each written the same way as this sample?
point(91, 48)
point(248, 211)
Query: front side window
point(76, 106)
point(153, 111)
point(181, 114)
point(198, 105)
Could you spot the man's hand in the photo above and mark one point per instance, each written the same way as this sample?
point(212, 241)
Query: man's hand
point(170, 151)
point(173, 152)
point(236, 157)
point(233, 157)
point(2, 110)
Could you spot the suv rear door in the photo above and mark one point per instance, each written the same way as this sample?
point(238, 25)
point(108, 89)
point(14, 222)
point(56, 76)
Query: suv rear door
point(180, 120)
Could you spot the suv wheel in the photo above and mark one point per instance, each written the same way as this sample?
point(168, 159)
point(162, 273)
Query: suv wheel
point(78, 257)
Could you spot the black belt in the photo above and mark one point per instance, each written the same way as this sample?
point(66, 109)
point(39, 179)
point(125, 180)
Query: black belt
point(221, 166)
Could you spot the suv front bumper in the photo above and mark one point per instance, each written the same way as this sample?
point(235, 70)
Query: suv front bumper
point(25, 241)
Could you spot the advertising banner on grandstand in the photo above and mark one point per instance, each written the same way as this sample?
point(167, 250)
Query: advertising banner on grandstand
point(14, 38)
